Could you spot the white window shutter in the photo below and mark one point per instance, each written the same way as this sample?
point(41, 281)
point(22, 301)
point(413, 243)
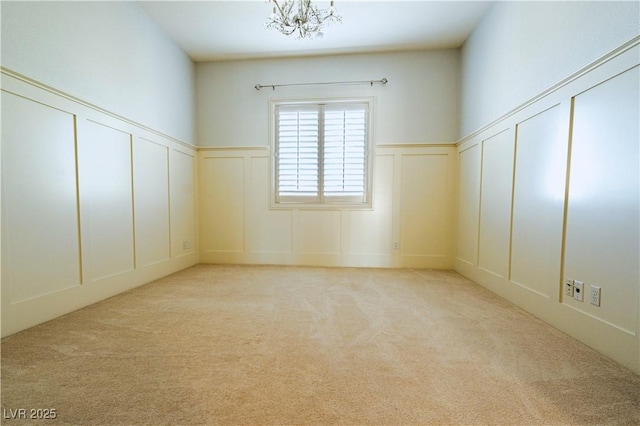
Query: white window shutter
point(345, 152)
point(297, 137)
point(321, 153)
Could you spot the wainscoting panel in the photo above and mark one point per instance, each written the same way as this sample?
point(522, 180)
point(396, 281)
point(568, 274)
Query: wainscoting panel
point(184, 207)
point(468, 204)
point(320, 231)
point(40, 238)
point(269, 230)
point(575, 212)
point(223, 200)
point(370, 232)
point(151, 199)
point(424, 205)
point(85, 203)
point(239, 225)
point(538, 206)
point(495, 203)
point(106, 200)
point(603, 217)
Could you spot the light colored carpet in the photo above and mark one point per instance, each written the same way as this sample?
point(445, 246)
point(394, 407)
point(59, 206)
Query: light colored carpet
point(301, 345)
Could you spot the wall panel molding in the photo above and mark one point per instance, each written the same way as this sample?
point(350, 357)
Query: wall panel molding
point(151, 187)
point(596, 65)
point(468, 214)
point(97, 233)
point(496, 188)
point(333, 236)
point(424, 204)
point(105, 172)
point(538, 200)
point(39, 201)
point(556, 232)
point(60, 95)
point(183, 202)
point(604, 189)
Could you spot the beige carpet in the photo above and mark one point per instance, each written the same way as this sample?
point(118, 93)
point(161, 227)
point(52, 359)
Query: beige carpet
point(299, 345)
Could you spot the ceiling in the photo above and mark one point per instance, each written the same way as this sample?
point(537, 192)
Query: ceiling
point(224, 30)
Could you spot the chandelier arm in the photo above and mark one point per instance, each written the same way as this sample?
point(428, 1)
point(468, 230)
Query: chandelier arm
point(285, 11)
point(317, 14)
point(279, 8)
point(281, 21)
point(289, 8)
point(288, 32)
point(309, 9)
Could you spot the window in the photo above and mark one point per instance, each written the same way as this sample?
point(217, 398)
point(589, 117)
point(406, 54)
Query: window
point(321, 153)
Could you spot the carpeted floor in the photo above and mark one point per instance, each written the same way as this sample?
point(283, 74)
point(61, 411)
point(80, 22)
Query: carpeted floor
point(299, 345)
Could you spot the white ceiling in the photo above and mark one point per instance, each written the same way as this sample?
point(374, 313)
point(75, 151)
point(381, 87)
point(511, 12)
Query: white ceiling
point(223, 30)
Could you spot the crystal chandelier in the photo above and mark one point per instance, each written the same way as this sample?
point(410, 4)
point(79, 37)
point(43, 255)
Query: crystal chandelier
point(301, 17)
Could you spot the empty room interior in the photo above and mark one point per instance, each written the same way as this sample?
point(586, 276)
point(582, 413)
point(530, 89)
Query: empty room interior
point(315, 212)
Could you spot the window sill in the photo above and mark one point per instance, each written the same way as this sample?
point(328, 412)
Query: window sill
point(317, 206)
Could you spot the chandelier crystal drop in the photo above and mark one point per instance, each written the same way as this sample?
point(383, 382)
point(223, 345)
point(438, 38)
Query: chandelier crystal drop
point(301, 17)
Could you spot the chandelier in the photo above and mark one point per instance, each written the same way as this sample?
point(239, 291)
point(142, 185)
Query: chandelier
point(301, 17)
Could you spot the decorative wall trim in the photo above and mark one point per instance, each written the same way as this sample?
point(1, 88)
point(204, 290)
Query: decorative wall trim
point(415, 145)
point(601, 328)
point(39, 303)
point(260, 235)
point(57, 92)
point(233, 148)
point(601, 321)
point(380, 146)
point(555, 87)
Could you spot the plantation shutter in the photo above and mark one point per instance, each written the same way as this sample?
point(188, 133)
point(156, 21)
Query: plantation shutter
point(321, 153)
point(298, 150)
point(345, 152)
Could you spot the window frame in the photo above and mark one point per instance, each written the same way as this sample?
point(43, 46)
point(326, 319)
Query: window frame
point(333, 202)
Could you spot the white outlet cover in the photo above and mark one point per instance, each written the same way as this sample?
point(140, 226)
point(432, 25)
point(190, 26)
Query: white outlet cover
point(568, 287)
point(578, 287)
point(595, 295)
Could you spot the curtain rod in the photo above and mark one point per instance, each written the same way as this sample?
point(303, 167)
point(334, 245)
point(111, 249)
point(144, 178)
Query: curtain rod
point(273, 86)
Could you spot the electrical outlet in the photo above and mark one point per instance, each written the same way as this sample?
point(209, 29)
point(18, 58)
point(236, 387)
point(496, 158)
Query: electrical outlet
point(396, 245)
point(595, 295)
point(578, 286)
point(568, 287)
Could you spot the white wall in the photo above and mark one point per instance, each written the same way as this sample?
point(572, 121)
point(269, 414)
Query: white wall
point(93, 203)
point(520, 49)
point(415, 124)
point(418, 105)
point(107, 53)
point(550, 192)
